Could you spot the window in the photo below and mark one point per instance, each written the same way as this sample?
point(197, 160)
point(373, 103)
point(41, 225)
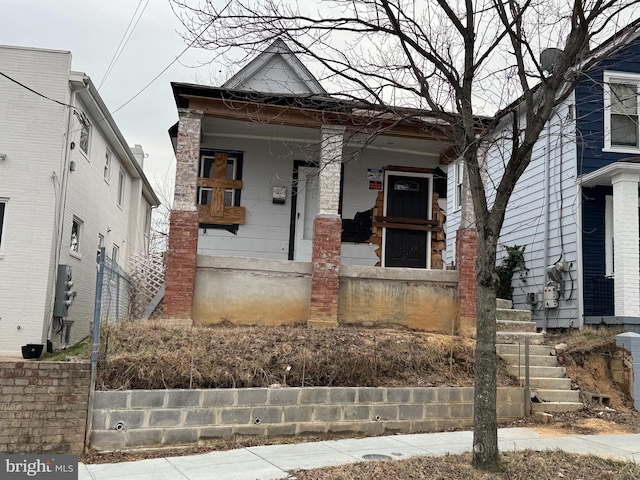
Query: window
point(3, 207)
point(219, 187)
point(121, 180)
point(147, 227)
point(622, 111)
point(107, 165)
point(458, 175)
point(76, 235)
point(115, 252)
point(85, 131)
point(100, 245)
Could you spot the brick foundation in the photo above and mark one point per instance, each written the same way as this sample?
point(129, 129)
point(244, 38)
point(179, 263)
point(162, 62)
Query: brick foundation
point(325, 281)
point(466, 252)
point(181, 264)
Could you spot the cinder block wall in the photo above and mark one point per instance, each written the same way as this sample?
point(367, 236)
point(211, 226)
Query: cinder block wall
point(155, 418)
point(43, 406)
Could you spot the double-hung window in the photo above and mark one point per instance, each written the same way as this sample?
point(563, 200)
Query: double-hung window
point(107, 165)
point(622, 112)
point(85, 131)
point(121, 184)
point(3, 208)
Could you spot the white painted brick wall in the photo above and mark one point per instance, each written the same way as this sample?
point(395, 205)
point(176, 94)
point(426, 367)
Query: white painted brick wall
point(32, 134)
point(332, 138)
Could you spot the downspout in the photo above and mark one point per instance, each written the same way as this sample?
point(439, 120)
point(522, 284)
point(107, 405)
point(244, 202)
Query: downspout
point(545, 241)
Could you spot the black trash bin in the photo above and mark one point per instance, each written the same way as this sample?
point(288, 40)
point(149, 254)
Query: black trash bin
point(32, 350)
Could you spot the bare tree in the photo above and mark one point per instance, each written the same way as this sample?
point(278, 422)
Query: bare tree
point(473, 64)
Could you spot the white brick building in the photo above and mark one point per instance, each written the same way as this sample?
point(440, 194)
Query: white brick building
point(68, 182)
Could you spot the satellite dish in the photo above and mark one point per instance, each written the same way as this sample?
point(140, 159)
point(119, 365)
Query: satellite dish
point(548, 59)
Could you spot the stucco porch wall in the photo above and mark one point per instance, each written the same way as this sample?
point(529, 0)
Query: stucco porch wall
point(162, 418)
point(409, 297)
point(253, 291)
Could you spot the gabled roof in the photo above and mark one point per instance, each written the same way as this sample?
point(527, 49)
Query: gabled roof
point(263, 70)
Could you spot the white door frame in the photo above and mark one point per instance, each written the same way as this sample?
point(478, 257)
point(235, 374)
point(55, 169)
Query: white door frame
point(303, 247)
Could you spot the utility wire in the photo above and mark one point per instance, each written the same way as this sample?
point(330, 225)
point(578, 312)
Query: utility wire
point(123, 42)
point(37, 93)
point(110, 115)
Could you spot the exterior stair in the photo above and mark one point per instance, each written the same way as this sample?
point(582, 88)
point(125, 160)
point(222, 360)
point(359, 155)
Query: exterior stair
point(546, 379)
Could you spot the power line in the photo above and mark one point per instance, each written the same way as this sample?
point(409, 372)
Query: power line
point(37, 93)
point(123, 41)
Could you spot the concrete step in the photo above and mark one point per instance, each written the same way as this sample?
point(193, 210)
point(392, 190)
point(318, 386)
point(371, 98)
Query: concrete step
point(518, 337)
point(514, 349)
point(513, 315)
point(550, 383)
point(558, 395)
point(502, 303)
point(515, 326)
point(557, 407)
point(534, 360)
point(538, 372)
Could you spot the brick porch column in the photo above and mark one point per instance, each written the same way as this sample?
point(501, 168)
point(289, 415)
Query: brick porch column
point(466, 252)
point(183, 234)
point(327, 230)
point(626, 253)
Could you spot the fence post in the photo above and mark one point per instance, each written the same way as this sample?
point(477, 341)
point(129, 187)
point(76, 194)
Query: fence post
point(527, 389)
point(94, 349)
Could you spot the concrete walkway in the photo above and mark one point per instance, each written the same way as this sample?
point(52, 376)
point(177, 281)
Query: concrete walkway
point(273, 462)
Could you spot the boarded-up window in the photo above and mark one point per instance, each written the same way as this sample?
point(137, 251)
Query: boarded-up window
point(219, 186)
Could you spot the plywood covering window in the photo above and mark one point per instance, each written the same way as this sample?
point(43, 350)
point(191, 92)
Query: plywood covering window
point(219, 187)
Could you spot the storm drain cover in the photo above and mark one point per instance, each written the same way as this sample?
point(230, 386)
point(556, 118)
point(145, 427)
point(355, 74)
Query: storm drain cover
point(375, 456)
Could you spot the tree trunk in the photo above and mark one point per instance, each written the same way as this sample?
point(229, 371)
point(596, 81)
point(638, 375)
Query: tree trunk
point(485, 433)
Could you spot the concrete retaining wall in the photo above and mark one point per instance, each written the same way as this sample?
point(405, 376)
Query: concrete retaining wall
point(252, 291)
point(43, 406)
point(155, 418)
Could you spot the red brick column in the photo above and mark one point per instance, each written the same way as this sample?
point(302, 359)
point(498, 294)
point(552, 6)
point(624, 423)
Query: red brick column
point(325, 268)
point(466, 252)
point(183, 233)
point(181, 265)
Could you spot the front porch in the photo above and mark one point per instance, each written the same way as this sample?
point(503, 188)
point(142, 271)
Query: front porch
point(611, 249)
point(327, 188)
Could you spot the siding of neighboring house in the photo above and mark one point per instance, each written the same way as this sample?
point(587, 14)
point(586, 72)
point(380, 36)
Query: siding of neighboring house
point(32, 136)
point(265, 233)
point(524, 219)
point(591, 156)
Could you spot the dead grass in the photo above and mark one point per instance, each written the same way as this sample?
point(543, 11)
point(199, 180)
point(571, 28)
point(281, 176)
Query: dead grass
point(145, 355)
point(525, 465)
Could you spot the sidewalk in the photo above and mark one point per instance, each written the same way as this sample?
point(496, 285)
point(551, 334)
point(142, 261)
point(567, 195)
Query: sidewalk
point(273, 462)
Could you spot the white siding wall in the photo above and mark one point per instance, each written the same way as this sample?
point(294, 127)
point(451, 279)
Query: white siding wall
point(524, 220)
point(267, 164)
point(32, 136)
point(95, 201)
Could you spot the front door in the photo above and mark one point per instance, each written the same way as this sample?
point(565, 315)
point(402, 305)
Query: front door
point(306, 211)
point(407, 197)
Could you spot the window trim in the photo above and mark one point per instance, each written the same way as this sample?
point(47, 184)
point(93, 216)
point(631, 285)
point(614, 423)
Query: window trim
point(121, 187)
point(610, 77)
point(458, 184)
point(115, 253)
point(79, 233)
point(106, 173)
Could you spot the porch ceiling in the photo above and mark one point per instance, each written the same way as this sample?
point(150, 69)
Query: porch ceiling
point(603, 175)
point(222, 127)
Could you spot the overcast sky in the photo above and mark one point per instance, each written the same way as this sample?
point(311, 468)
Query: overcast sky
point(91, 30)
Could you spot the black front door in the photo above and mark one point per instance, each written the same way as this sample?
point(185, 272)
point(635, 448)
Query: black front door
point(407, 197)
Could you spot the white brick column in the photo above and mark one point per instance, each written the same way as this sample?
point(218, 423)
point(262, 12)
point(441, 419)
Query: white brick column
point(626, 253)
point(331, 142)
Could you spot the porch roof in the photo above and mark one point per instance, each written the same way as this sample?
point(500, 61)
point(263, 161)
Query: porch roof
point(311, 111)
point(603, 175)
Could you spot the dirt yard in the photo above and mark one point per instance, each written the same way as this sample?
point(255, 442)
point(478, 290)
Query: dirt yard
point(146, 355)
